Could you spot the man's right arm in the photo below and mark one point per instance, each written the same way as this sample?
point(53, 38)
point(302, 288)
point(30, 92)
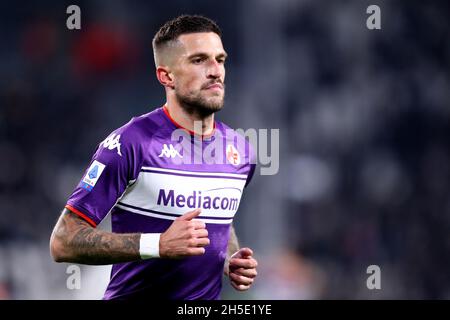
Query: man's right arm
point(75, 240)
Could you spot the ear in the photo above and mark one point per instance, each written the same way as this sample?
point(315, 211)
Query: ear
point(164, 76)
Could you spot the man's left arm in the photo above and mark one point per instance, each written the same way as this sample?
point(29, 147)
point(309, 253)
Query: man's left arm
point(240, 266)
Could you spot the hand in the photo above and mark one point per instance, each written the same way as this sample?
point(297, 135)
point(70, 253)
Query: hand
point(242, 269)
point(185, 237)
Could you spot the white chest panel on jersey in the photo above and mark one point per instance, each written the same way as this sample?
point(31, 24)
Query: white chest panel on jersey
point(168, 194)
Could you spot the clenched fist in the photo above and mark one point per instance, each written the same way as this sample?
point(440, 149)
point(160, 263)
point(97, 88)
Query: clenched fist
point(185, 237)
point(242, 269)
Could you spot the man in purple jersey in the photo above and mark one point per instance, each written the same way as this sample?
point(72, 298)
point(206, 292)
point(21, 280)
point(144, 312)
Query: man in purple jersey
point(171, 207)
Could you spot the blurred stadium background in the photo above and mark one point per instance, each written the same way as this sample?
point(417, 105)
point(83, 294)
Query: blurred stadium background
point(364, 136)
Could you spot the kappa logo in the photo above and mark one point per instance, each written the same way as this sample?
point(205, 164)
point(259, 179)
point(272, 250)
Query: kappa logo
point(233, 156)
point(112, 142)
point(169, 152)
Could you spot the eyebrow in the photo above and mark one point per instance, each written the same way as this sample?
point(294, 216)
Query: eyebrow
point(203, 54)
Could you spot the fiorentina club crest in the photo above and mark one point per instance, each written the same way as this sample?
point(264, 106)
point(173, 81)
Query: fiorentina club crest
point(233, 156)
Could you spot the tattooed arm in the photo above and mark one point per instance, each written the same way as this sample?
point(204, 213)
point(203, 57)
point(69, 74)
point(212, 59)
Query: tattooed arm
point(75, 240)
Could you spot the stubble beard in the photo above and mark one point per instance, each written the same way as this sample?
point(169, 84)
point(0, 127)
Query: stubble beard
point(199, 105)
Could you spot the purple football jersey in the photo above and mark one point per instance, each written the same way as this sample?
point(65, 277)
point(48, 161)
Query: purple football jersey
point(147, 173)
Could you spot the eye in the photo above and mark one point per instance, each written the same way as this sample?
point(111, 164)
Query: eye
point(197, 60)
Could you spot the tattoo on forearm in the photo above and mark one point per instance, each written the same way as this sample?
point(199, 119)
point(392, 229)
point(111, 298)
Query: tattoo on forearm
point(88, 245)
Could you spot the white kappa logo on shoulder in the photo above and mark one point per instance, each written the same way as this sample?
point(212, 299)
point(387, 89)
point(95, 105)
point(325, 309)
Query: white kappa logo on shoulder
point(169, 152)
point(112, 142)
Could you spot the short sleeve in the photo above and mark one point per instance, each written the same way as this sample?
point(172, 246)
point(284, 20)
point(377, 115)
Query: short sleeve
point(113, 167)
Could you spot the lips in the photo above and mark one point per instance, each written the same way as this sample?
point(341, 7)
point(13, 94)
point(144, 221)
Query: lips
point(214, 86)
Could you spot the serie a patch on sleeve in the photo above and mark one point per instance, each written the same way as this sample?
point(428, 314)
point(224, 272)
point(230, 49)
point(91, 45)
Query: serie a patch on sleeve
point(92, 175)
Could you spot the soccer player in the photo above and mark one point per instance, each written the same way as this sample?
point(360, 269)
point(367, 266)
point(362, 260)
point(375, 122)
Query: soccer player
point(171, 211)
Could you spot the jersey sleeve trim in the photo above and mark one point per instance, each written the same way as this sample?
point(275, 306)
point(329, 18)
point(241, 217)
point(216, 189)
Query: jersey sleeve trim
point(81, 215)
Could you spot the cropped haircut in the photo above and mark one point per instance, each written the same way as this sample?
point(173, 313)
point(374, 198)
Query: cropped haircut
point(183, 24)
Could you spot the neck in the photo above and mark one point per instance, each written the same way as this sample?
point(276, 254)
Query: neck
point(200, 124)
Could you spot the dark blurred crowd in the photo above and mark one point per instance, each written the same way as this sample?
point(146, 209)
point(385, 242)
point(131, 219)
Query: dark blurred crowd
point(373, 147)
point(364, 134)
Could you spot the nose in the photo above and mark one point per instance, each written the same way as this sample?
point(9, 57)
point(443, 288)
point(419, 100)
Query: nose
point(215, 70)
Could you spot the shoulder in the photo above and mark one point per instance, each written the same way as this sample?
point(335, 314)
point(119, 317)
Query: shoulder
point(144, 125)
point(129, 140)
point(135, 132)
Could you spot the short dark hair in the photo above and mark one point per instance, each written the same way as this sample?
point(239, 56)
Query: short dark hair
point(184, 24)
